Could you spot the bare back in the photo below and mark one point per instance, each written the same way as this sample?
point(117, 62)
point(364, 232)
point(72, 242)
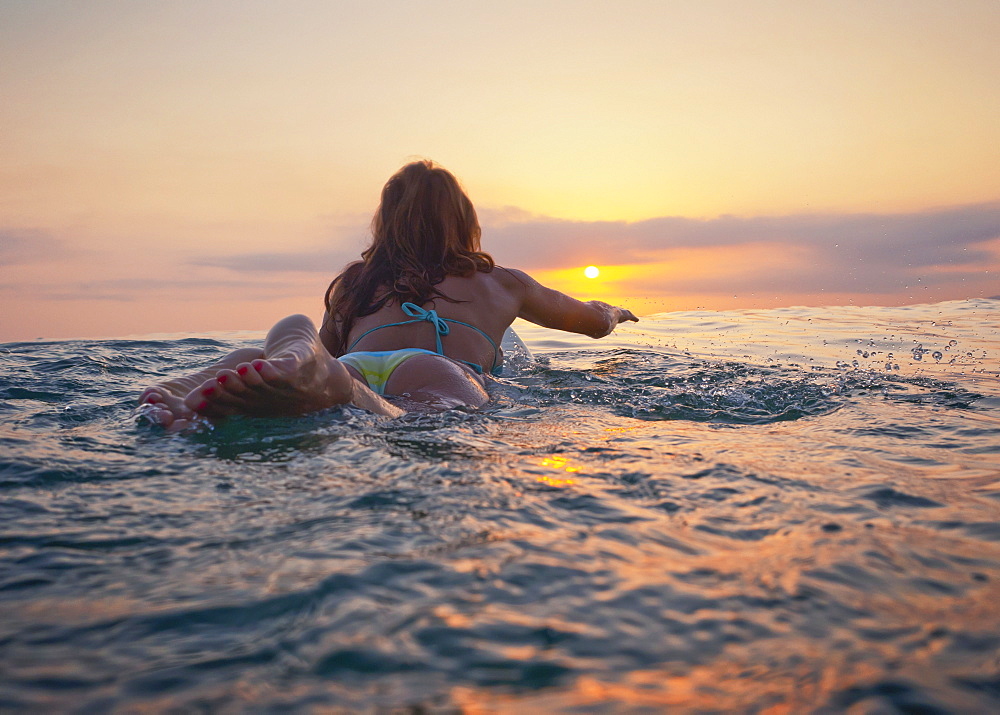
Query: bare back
point(490, 302)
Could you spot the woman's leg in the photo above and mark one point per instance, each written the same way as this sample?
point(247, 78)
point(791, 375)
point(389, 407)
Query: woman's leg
point(293, 374)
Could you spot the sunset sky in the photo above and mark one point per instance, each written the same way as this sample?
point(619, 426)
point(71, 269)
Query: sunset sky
point(211, 165)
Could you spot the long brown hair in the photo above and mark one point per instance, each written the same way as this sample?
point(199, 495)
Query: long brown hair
point(425, 229)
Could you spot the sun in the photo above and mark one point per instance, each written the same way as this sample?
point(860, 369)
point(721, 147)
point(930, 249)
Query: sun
point(591, 271)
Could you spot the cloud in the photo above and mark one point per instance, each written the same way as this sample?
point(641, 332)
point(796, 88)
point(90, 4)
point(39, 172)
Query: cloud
point(327, 262)
point(799, 254)
point(864, 254)
point(132, 290)
point(19, 246)
point(949, 236)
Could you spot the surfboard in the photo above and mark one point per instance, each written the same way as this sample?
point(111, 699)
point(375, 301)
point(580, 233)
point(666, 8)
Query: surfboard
point(515, 352)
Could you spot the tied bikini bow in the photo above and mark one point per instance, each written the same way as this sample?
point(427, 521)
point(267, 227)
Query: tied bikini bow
point(440, 326)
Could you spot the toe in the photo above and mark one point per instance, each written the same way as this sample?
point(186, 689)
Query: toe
point(230, 381)
point(150, 395)
point(212, 399)
point(200, 399)
point(249, 374)
point(229, 396)
point(153, 414)
point(268, 372)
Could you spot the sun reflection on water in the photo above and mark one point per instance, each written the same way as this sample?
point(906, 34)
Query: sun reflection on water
point(563, 465)
point(559, 463)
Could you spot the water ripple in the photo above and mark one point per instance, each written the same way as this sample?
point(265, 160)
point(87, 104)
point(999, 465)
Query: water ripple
point(719, 512)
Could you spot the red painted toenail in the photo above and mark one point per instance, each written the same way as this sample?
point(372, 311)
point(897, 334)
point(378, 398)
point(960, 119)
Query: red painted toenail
point(201, 406)
point(243, 369)
point(257, 365)
point(208, 391)
point(222, 379)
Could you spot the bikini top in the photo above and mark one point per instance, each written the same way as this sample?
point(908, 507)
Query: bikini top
point(441, 327)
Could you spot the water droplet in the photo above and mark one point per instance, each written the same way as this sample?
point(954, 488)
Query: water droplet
point(937, 355)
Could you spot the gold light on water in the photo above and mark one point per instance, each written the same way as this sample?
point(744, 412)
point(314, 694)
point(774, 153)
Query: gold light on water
point(559, 463)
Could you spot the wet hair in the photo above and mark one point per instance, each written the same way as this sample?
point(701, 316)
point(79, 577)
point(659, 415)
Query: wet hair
point(425, 229)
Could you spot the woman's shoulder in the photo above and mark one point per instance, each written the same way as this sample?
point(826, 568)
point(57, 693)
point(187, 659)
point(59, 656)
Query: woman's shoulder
point(511, 278)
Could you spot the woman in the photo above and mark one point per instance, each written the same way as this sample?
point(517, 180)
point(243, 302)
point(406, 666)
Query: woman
point(414, 325)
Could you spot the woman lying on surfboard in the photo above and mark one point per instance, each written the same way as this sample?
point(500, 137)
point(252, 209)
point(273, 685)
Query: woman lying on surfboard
point(415, 325)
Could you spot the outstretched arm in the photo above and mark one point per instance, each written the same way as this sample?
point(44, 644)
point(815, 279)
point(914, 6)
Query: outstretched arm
point(552, 309)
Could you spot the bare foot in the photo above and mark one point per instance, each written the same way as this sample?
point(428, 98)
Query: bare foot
point(162, 407)
point(163, 403)
point(297, 376)
point(273, 387)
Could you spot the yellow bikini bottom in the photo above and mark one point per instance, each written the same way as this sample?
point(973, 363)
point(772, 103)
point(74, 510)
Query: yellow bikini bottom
point(377, 367)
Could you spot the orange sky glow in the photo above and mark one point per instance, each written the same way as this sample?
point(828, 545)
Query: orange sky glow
point(207, 166)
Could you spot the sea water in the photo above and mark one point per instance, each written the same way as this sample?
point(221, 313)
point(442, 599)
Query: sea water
point(782, 510)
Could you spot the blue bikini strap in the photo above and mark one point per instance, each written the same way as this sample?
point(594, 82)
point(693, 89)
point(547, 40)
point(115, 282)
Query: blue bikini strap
point(441, 327)
point(496, 350)
point(350, 348)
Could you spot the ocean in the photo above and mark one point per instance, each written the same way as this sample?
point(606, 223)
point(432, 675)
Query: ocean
point(789, 510)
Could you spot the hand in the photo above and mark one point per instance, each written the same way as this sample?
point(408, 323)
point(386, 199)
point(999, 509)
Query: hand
point(624, 315)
